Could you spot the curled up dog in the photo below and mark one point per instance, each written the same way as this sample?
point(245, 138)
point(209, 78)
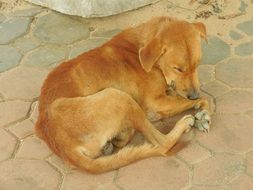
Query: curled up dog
point(96, 102)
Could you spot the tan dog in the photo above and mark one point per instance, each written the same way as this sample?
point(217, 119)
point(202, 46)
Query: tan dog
point(95, 102)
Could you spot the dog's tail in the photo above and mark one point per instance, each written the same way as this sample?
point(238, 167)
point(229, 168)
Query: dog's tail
point(122, 158)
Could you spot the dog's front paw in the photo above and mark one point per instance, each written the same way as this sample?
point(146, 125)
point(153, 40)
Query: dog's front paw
point(202, 104)
point(203, 121)
point(187, 122)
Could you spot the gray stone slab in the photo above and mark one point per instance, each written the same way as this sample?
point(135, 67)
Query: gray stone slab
point(215, 51)
point(86, 46)
point(44, 56)
point(206, 73)
point(106, 34)
point(235, 35)
point(236, 72)
point(9, 58)
point(244, 49)
point(60, 29)
point(246, 27)
point(13, 28)
point(26, 12)
point(243, 6)
point(26, 44)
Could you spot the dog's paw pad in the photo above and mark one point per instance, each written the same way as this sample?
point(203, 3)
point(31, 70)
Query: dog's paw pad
point(203, 121)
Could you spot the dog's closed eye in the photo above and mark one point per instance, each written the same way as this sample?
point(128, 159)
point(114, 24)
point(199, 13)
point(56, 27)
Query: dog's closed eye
point(178, 69)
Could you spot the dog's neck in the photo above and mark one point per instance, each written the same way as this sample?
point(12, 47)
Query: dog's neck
point(143, 34)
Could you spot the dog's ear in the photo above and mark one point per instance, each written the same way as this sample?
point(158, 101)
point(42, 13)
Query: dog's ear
point(150, 53)
point(201, 28)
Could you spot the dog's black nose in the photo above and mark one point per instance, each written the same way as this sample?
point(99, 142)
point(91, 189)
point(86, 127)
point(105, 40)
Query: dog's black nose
point(193, 95)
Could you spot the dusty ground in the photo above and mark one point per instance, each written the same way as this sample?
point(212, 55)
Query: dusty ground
point(33, 40)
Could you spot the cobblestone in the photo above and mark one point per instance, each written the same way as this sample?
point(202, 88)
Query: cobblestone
point(60, 29)
point(33, 40)
point(13, 28)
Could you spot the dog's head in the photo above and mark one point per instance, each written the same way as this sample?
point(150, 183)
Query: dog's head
point(176, 50)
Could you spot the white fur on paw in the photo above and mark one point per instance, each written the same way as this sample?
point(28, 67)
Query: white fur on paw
point(203, 121)
point(189, 120)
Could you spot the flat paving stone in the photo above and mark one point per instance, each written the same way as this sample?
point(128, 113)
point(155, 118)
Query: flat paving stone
point(35, 111)
point(19, 174)
point(22, 129)
point(249, 163)
point(243, 6)
point(241, 183)
point(235, 101)
point(22, 82)
point(26, 44)
point(168, 172)
point(78, 180)
point(7, 145)
point(236, 72)
point(106, 34)
point(215, 51)
point(26, 12)
point(246, 27)
point(44, 56)
point(250, 113)
point(33, 148)
point(11, 111)
point(13, 28)
point(194, 153)
point(215, 88)
point(60, 29)
point(244, 49)
point(235, 35)
point(7, 61)
point(2, 17)
point(202, 187)
point(60, 164)
point(206, 73)
point(86, 46)
point(229, 133)
point(218, 170)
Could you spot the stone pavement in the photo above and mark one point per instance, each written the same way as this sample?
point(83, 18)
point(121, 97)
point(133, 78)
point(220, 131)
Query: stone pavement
point(33, 40)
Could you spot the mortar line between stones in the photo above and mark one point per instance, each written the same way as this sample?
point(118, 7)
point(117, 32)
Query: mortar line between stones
point(62, 175)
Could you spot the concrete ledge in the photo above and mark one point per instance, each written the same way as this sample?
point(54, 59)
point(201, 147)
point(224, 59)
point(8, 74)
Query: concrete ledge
point(92, 8)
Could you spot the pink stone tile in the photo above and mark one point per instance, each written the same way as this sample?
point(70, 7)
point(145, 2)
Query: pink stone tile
point(215, 88)
point(11, 111)
point(235, 101)
point(154, 173)
point(243, 182)
point(218, 170)
point(229, 133)
point(7, 145)
point(22, 129)
point(22, 82)
point(60, 164)
point(201, 187)
point(33, 148)
point(81, 180)
point(193, 153)
point(249, 162)
point(28, 175)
